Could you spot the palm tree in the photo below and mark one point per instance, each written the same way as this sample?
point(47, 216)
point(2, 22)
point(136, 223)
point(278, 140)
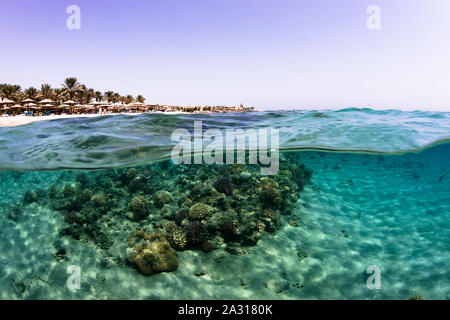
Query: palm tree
point(46, 92)
point(98, 96)
point(128, 99)
point(109, 95)
point(72, 86)
point(10, 91)
point(87, 95)
point(59, 95)
point(140, 99)
point(116, 97)
point(31, 93)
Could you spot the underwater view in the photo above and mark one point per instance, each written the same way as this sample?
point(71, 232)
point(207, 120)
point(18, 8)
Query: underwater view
point(98, 208)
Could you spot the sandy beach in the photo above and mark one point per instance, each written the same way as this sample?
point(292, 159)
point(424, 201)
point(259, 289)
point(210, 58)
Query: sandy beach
point(22, 120)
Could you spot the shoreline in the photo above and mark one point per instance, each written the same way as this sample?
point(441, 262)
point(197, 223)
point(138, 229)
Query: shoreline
point(14, 121)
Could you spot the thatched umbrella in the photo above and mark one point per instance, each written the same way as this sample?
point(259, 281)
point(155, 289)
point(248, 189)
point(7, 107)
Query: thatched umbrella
point(4, 109)
point(16, 106)
point(28, 100)
point(46, 101)
point(7, 101)
point(69, 102)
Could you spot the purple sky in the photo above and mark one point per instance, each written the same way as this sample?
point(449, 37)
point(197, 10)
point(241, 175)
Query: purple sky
point(268, 54)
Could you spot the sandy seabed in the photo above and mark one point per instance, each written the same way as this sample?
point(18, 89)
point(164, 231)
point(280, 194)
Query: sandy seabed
point(359, 211)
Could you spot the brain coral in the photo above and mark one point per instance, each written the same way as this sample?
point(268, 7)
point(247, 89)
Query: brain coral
point(199, 211)
point(139, 206)
point(152, 253)
point(131, 173)
point(161, 198)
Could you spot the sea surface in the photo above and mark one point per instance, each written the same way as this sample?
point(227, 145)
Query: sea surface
point(357, 190)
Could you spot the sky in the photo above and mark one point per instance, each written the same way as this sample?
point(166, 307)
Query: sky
point(269, 54)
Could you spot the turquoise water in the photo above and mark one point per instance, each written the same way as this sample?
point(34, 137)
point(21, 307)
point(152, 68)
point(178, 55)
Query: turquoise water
point(356, 188)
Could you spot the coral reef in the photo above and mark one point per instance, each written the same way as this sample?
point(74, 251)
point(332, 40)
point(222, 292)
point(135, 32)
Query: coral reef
point(199, 211)
point(131, 173)
point(151, 253)
point(138, 185)
point(139, 206)
point(223, 185)
point(195, 207)
point(269, 191)
point(196, 233)
point(99, 200)
point(175, 236)
point(161, 198)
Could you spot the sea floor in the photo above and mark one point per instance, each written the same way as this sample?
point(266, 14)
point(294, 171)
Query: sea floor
point(359, 211)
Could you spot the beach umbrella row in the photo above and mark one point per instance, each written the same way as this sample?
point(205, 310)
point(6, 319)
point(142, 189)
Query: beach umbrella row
point(49, 103)
point(7, 101)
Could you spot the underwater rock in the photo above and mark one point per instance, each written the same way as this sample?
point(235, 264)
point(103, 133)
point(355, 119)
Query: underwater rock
point(345, 233)
point(416, 297)
point(300, 253)
point(152, 253)
point(294, 222)
point(207, 246)
point(20, 286)
point(30, 197)
point(60, 255)
point(223, 185)
point(236, 249)
point(277, 286)
point(13, 212)
point(245, 176)
point(199, 211)
point(161, 198)
point(139, 206)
